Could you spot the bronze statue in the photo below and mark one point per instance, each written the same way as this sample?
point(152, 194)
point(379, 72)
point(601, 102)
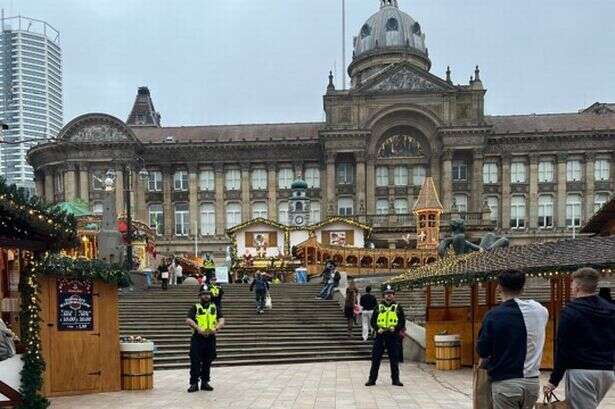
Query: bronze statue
point(462, 246)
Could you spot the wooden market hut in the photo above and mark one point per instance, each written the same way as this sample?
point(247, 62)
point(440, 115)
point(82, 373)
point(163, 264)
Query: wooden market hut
point(461, 289)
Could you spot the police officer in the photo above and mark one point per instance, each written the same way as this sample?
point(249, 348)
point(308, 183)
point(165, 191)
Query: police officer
point(216, 291)
point(206, 320)
point(389, 321)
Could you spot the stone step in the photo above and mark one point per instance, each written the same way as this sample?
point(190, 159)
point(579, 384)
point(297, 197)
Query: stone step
point(260, 361)
point(273, 343)
point(338, 354)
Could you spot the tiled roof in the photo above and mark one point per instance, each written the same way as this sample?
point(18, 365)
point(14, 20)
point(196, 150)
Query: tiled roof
point(585, 121)
point(563, 256)
point(143, 112)
point(428, 196)
point(230, 133)
point(602, 220)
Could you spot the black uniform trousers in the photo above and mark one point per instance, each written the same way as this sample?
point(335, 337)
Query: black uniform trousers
point(390, 342)
point(202, 354)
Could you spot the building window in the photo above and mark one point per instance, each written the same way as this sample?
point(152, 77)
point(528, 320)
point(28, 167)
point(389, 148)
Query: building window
point(312, 178)
point(207, 180)
point(401, 206)
point(382, 206)
point(208, 219)
point(283, 212)
point(232, 179)
point(601, 169)
point(545, 171)
point(382, 176)
point(573, 171)
point(259, 209)
point(345, 173)
point(494, 205)
point(517, 172)
point(392, 24)
point(599, 200)
point(180, 180)
point(573, 210)
point(285, 178)
point(98, 178)
point(460, 170)
point(154, 181)
point(490, 173)
point(400, 176)
point(97, 208)
point(259, 179)
point(233, 215)
point(418, 175)
point(181, 219)
point(545, 211)
point(461, 201)
point(314, 212)
point(345, 206)
point(517, 212)
point(156, 218)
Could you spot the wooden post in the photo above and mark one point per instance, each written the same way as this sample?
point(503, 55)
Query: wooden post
point(427, 302)
point(473, 311)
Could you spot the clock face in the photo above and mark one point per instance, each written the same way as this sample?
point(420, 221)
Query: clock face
point(299, 220)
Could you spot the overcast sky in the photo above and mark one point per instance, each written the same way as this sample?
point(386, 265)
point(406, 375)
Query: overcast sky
point(244, 61)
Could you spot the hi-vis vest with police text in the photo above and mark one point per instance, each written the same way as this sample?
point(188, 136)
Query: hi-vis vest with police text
point(206, 318)
point(387, 316)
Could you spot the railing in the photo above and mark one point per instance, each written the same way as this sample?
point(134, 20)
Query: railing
point(473, 219)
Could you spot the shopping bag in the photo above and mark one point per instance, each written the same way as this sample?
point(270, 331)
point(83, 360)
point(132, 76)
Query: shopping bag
point(550, 401)
point(357, 310)
point(268, 304)
point(482, 389)
point(164, 275)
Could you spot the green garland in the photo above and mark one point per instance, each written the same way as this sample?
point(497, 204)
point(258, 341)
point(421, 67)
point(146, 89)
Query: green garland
point(59, 266)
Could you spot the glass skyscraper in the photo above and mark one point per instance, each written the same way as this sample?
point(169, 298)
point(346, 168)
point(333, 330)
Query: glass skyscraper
point(30, 92)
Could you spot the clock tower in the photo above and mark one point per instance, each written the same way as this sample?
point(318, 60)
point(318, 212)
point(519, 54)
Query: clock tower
point(299, 204)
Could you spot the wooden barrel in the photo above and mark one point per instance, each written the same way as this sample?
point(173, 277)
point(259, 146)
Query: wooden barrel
point(448, 352)
point(137, 368)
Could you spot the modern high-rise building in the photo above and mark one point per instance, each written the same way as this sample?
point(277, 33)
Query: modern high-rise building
point(30, 92)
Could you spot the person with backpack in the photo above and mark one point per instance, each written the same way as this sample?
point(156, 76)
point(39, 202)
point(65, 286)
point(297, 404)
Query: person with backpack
point(261, 285)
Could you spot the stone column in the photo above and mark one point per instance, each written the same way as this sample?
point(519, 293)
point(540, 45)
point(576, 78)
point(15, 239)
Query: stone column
point(246, 207)
point(219, 196)
point(590, 181)
point(139, 205)
point(193, 198)
point(360, 181)
point(533, 196)
point(70, 183)
point(505, 183)
point(447, 180)
point(561, 189)
point(49, 185)
point(272, 192)
point(477, 181)
point(167, 201)
point(370, 191)
point(331, 205)
point(84, 183)
point(39, 179)
point(119, 192)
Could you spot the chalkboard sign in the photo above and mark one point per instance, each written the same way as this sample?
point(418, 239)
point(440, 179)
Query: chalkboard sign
point(75, 309)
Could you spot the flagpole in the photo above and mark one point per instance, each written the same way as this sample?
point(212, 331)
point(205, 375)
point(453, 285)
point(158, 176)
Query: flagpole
point(343, 44)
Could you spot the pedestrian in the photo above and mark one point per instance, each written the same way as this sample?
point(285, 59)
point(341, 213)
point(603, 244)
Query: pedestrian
point(147, 273)
point(163, 268)
point(179, 272)
point(7, 341)
point(172, 276)
point(261, 286)
point(327, 281)
point(368, 303)
point(216, 291)
point(511, 340)
point(390, 320)
point(585, 344)
point(352, 293)
point(206, 320)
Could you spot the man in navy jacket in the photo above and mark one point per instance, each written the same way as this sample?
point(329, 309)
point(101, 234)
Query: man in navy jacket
point(511, 340)
point(585, 344)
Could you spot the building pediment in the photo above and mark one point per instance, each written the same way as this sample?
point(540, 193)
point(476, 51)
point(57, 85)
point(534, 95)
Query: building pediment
point(404, 78)
point(96, 128)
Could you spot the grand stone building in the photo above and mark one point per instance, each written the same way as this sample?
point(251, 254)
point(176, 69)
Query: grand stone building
point(532, 177)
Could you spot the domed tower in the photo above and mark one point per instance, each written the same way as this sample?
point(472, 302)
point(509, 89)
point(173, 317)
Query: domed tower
point(387, 37)
point(298, 204)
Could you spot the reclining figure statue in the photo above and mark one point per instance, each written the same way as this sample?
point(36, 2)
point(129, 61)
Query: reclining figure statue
point(462, 246)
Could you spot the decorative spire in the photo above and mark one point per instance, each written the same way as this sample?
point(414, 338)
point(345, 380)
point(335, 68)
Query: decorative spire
point(448, 74)
point(385, 3)
point(428, 197)
point(331, 86)
point(477, 74)
point(143, 112)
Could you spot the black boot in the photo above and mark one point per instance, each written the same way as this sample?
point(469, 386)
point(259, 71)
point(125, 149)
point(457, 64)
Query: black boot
point(370, 383)
point(193, 388)
point(205, 386)
point(397, 383)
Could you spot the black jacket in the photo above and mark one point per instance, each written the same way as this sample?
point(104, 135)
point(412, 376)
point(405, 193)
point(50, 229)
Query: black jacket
point(368, 302)
point(585, 337)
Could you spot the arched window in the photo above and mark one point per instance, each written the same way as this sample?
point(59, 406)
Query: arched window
point(416, 29)
point(208, 219)
point(382, 206)
point(233, 215)
point(314, 212)
point(392, 24)
point(545, 211)
point(283, 212)
point(299, 207)
point(366, 31)
point(259, 209)
point(573, 210)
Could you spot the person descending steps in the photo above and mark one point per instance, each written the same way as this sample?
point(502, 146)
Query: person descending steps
point(389, 320)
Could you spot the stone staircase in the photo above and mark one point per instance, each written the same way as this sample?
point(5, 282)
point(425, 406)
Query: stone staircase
point(299, 328)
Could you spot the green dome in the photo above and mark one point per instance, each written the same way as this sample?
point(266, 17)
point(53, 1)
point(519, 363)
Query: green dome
point(299, 184)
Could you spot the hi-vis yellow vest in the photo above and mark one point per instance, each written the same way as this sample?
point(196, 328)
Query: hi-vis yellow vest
point(387, 316)
point(206, 318)
point(214, 290)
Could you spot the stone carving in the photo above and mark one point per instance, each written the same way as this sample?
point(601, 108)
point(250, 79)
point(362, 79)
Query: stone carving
point(407, 80)
point(462, 246)
point(99, 133)
point(400, 146)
